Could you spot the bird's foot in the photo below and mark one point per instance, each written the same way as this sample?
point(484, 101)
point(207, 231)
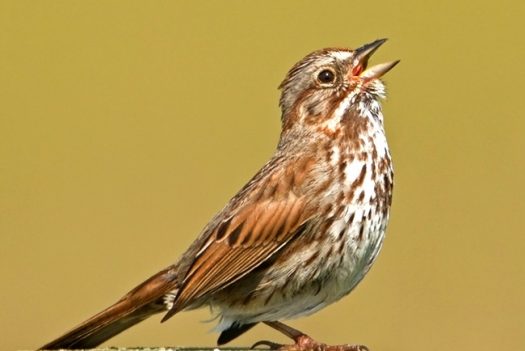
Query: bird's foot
point(305, 343)
point(302, 341)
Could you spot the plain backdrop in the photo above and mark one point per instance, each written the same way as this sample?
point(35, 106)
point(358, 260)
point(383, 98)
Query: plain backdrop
point(125, 125)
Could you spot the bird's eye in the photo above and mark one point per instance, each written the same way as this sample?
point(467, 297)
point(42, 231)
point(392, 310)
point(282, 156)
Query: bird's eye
point(326, 76)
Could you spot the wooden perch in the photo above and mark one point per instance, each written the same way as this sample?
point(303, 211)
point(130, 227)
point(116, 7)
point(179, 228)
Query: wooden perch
point(165, 349)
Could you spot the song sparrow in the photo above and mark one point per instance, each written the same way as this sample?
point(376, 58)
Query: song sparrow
point(302, 232)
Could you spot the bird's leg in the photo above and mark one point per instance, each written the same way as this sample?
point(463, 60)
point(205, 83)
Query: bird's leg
point(303, 342)
point(286, 330)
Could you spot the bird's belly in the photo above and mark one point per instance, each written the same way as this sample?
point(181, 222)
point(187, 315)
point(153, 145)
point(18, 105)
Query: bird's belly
point(362, 241)
point(310, 276)
point(347, 257)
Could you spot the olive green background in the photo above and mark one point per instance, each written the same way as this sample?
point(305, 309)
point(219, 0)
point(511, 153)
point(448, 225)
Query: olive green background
point(125, 125)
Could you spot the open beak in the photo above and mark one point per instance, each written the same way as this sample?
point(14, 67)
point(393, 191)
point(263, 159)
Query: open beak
point(361, 56)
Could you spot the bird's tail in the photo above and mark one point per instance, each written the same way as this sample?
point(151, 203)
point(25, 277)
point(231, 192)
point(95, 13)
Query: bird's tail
point(140, 303)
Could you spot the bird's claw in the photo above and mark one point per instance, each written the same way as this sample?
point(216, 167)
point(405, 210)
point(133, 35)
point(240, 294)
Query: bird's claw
point(308, 344)
point(272, 345)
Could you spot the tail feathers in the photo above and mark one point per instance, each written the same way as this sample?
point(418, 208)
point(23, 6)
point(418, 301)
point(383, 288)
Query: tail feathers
point(140, 303)
point(102, 327)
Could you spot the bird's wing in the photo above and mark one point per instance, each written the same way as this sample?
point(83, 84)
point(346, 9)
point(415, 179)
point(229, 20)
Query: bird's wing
point(264, 221)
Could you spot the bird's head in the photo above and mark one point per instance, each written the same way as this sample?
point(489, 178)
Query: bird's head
point(321, 88)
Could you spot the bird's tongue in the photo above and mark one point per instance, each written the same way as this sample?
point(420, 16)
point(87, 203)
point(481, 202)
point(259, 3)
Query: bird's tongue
point(356, 71)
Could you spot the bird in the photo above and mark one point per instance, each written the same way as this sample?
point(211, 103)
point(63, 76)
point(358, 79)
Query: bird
point(302, 233)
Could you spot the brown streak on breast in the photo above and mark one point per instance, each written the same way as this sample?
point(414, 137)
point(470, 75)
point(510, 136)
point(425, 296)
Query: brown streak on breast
point(341, 234)
point(361, 196)
point(328, 151)
point(361, 178)
point(351, 219)
point(374, 149)
point(340, 200)
point(323, 228)
point(383, 165)
point(327, 209)
point(357, 183)
point(341, 248)
point(361, 232)
point(354, 125)
point(311, 259)
point(342, 174)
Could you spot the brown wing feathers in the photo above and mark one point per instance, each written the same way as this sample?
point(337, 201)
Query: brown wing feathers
point(243, 241)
